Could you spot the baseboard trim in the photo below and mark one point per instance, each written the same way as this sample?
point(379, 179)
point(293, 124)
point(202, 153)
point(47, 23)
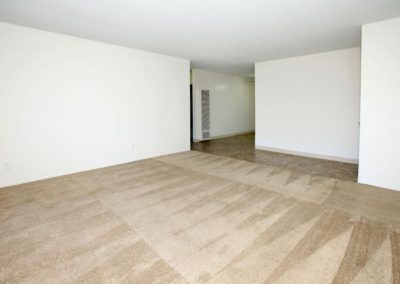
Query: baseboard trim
point(310, 155)
point(224, 136)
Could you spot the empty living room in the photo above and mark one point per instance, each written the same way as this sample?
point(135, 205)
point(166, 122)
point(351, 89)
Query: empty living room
point(214, 141)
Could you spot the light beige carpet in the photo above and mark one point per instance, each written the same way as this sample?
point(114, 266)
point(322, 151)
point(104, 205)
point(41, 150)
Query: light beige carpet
point(195, 217)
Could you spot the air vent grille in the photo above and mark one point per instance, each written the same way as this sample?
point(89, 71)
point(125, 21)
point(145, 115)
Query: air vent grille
point(205, 113)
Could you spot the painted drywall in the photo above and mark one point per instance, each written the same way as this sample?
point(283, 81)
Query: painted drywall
point(380, 101)
point(309, 105)
point(231, 103)
point(68, 104)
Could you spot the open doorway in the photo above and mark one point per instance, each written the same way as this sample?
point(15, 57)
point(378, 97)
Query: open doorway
point(222, 105)
point(191, 113)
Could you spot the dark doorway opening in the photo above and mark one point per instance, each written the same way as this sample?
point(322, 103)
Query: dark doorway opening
point(191, 113)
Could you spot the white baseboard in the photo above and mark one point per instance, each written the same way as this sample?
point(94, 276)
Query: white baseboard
point(311, 155)
point(224, 136)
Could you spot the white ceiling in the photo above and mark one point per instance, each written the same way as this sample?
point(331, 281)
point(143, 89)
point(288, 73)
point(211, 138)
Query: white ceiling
point(220, 35)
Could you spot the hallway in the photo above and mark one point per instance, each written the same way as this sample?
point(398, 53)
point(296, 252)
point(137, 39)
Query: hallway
point(242, 147)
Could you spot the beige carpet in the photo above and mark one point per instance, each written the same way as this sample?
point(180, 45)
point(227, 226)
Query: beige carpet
point(195, 217)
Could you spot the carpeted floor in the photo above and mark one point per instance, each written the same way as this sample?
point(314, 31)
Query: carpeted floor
point(194, 217)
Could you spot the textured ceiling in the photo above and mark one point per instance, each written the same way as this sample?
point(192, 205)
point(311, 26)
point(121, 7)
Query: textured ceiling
point(220, 35)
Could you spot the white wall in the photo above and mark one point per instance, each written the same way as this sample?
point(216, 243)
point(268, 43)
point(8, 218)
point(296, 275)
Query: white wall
point(380, 105)
point(309, 105)
point(68, 104)
point(231, 103)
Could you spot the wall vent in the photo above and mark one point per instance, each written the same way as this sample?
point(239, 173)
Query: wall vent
point(205, 113)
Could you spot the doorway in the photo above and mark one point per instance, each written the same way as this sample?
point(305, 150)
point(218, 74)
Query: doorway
point(191, 113)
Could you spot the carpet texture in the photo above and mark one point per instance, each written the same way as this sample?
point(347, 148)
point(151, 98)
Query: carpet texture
point(193, 218)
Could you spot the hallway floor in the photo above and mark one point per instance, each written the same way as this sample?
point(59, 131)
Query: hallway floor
point(242, 147)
